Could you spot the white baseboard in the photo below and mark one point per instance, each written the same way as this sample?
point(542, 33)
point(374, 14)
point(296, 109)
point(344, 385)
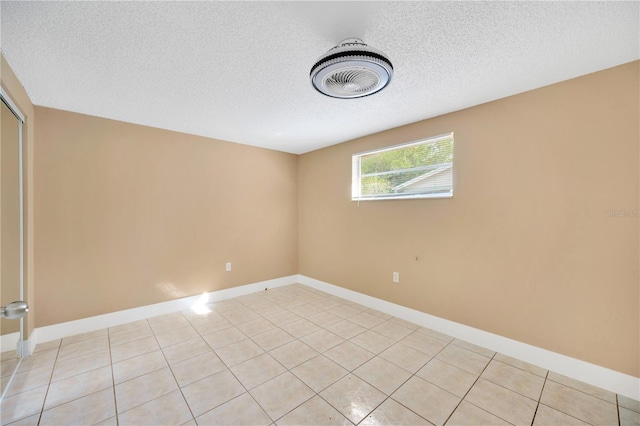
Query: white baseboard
point(596, 375)
point(9, 342)
point(70, 328)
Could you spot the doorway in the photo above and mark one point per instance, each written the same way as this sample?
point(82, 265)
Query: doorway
point(11, 236)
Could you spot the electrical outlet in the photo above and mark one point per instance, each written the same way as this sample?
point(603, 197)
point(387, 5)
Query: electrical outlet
point(396, 277)
point(227, 267)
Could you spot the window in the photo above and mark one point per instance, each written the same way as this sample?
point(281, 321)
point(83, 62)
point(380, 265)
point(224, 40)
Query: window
point(421, 169)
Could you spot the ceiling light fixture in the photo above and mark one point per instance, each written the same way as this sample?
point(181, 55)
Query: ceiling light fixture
point(351, 70)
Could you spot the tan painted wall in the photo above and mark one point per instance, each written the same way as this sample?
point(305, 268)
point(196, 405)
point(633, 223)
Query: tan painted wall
point(18, 94)
point(524, 249)
point(128, 215)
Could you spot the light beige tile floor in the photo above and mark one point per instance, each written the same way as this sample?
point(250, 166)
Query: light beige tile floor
point(291, 356)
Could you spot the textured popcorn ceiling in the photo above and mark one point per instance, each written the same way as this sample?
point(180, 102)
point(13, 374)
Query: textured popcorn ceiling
point(239, 71)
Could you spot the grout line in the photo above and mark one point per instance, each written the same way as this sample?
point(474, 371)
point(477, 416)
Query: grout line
point(113, 380)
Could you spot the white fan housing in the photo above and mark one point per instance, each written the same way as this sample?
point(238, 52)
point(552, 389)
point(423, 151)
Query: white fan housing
point(351, 70)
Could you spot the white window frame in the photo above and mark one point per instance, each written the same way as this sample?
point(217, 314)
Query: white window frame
point(356, 179)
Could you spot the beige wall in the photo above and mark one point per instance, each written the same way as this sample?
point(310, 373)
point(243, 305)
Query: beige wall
point(524, 248)
point(128, 215)
point(19, 96)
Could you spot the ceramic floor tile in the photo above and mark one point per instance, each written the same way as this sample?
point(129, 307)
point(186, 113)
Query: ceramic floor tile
point(249, 300)
point(392, 330)
point(78, 386)
point(210, 324)
point(74, 350)
point(238, 352)
point(212, 391)
point(23, 404)
point(30, 379)
point(290, 303)
point(300, 328)
point(172, 337)
point(324, 319)
point(315, 411)
point(85, 336)
point(138, 366)
point(469, 415)
point(513, 378)
point(224, 337)
point(382, 374)
point(169, 324)
point(257, 371)
point(143, 389)
point(272, 339)
point(578, 404)
point(9, 354)
point(327, 302)
point(382, 315)
point(547, 416)
point(403, 356)
point(283, 317)
point(427, 400)
point(435, 334)
point(344, 311)
point(502, 402)
point(267, 309)
point(392, 413)
point(469, 361)
point(241, 316)
point(196, 368)
point(473, 348)
point(256, 326)
point(293, 353)
point(129, 335)
point(348, 355)
point(281, 394)
point(372, 341)
point(319, 372)
point(322, 340)
point(366, 320)
point(71, 367)
point(404, 323)
point(362, 397)
point(530, 368)
point(27, 421)
point(169, 409)
point(135, 348)
point(185, 350)
point(45, 346)
point(346, 329)
point(583, 387)
point(448, 377)
point(242, 410)
point(38, 360)
point(226, 306)
point(88, 410)
point(628, 403)
point(306, 310)
point(629, 417)
point(423, 343)
point(7, 366)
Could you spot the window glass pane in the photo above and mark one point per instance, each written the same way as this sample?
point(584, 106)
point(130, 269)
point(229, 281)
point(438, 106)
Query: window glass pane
point(418, 169)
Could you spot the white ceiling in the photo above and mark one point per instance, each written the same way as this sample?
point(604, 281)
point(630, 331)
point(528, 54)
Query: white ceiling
point(239, 71)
